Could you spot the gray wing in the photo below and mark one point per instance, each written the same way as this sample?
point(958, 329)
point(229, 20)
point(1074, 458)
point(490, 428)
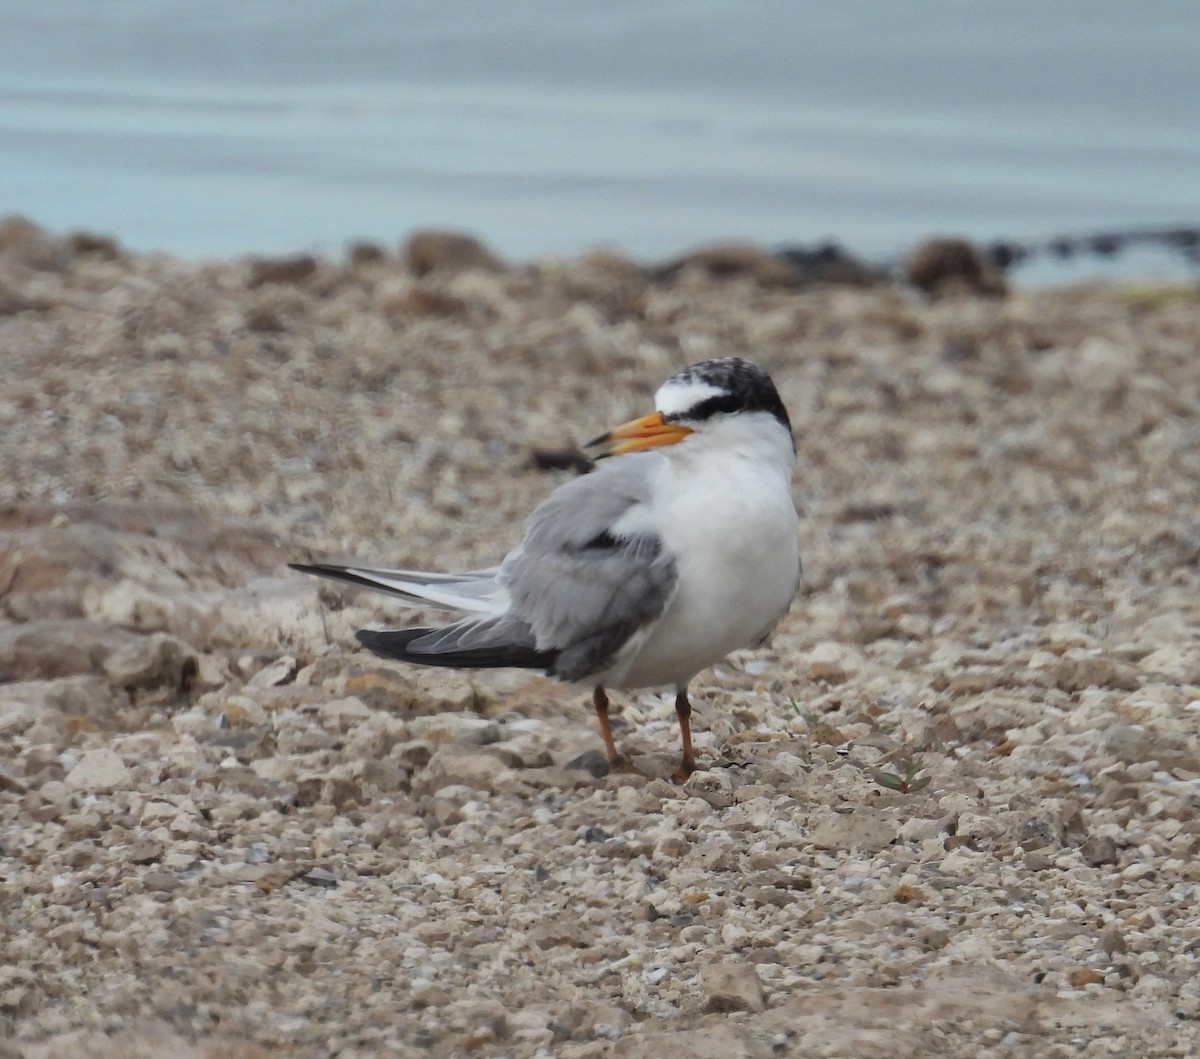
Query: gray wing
point(581, 589)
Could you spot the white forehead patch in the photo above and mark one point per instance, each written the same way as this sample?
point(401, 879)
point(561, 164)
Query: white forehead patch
point(676, 396)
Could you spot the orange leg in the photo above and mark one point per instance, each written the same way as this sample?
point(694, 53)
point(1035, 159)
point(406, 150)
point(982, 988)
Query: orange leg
point(683, 710)
point(617, 761)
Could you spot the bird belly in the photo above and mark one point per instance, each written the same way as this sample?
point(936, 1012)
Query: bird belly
point(739, 568)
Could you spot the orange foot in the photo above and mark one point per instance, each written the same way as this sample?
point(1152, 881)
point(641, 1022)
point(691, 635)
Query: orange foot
point(623, 766)
point(686, 768)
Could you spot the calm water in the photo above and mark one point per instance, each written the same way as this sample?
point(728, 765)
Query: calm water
point(550, 126)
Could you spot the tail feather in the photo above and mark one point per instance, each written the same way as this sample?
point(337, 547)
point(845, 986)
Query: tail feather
point(475, 590)
point(400, 644)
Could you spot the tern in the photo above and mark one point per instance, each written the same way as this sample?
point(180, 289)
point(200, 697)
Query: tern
point(678, 548)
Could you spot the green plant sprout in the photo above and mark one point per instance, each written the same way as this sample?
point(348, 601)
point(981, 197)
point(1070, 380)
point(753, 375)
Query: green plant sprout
point(908, 779)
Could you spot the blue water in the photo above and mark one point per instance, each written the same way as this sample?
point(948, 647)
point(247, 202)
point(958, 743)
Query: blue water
point(551, 126)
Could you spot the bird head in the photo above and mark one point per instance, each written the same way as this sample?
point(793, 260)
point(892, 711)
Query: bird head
point(699, 399)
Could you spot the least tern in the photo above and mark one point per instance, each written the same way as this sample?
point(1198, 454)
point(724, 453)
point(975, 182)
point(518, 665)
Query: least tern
point(680, 547)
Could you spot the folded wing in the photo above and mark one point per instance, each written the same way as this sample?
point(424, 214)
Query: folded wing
point(576, 589)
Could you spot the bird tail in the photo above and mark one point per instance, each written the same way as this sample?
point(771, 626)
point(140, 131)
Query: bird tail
point(449, 647)
point(475, 591)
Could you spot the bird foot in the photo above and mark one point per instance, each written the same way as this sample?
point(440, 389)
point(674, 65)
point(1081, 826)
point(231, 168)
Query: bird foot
point(621, 765)
point(680, 775)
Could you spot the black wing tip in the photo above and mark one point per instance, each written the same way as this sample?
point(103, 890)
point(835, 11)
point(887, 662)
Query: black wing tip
point(388, 641)
point(345, 574)
point(317, 568)
point(394, 644)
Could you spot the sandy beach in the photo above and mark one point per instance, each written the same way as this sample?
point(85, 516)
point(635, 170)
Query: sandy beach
point(953, 808)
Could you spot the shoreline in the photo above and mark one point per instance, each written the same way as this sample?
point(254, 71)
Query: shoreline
point(1173, 249)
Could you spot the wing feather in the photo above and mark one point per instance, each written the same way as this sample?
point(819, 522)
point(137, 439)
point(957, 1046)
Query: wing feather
point(581, 585)
point(585, 580)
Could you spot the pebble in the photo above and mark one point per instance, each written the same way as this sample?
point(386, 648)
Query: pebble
point(314, 877)
point(99, 771)
point(731, 987)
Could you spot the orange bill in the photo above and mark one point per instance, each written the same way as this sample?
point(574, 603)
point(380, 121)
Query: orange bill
point(639, 434)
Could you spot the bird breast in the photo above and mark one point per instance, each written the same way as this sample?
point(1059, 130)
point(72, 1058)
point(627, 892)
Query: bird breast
point(731, 524)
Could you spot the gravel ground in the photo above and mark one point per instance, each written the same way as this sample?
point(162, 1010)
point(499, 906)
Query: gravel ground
point(953, 809)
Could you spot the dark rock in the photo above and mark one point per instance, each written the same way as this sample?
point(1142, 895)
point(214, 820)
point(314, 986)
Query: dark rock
point(829, 263)
point(294, 269)
point(732, 261)
point(264, 319)
point(26, 243)
point(320, 877)
point(945, 265)
point(434, 250)
point(1004, 255)
point(157, 661)
point(365, 253)
point(92, 244)
point(592, 761)
point(1099, 850)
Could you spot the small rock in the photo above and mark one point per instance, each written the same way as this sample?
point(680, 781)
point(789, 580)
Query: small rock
point(555, 935)
point(716, 788)
point(343, 715)
point(149, 662)
point(831, 662)
point(1041, 831)
point(99, 771)
point(363, 252)
point(1038, 861)
point(444, 812)
point(731, 260)
point(591, 761)
point(443, 729)
point(320, 877)
point(864, 829)
point(294, 269)
point(1080, 669)
point(19, 711)
point(281, 671)
point(731, 987)
point(92, 244)
point(675, 844)
point(160, 881)
point(23, 241)
point(1128, 742)
point(599, 1020)
point(943, 265)
point(435, 250)
point(1099, 850)
point(831, 263)
point(449, 765)
point(1180, 665)
point(1112, 941)
point(144, 852)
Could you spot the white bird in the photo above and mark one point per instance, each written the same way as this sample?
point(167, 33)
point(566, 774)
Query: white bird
point(677, 550)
